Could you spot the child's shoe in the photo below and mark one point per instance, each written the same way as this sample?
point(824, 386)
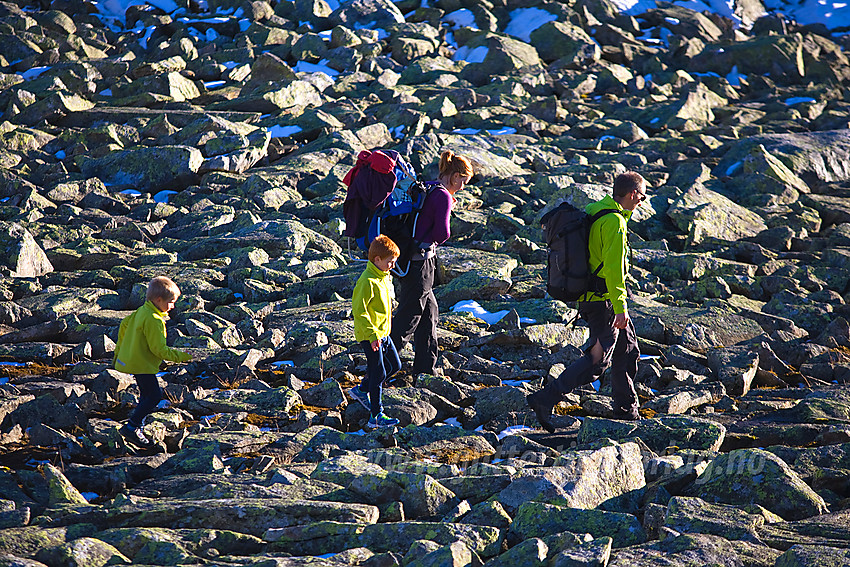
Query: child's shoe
point(135, 436)
point(360, 396)
point(381, 420)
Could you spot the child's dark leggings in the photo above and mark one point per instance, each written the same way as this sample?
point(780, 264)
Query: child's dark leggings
point(382, 364)
point(149, 396)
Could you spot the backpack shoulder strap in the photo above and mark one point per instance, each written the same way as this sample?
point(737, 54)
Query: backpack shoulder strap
point(602, 213)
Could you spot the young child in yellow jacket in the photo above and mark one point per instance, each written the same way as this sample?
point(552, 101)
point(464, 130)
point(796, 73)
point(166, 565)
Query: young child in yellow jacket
point(141, 348)
point(371, 307)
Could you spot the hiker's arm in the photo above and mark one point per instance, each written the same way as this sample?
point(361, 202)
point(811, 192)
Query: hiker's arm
point(613, 258)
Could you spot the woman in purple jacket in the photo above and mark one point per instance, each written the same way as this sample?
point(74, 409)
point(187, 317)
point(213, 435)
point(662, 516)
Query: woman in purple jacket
point(417, 311)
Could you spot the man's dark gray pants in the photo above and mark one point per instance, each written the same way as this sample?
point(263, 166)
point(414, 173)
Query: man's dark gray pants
point(620, 351)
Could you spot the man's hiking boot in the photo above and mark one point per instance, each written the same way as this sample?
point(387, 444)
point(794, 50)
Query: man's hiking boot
point(360, 396)
point(541, 409)
point(135, 436)
point(381, 420)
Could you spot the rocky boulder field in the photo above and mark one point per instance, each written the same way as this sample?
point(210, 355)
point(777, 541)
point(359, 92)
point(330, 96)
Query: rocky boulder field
point(209, 142)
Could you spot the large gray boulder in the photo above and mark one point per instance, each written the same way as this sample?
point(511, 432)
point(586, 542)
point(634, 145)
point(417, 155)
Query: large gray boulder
point(148, 169)
point(703, 213)
point(580, 479)
point(20, 253)
point(755, 476)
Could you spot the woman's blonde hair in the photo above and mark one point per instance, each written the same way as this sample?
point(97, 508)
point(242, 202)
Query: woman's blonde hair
point(451, 163)
point(162, 287)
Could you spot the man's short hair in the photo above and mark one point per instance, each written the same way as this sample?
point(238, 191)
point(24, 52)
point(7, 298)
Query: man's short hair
point(383, 247)
point(162, 287)
point(627, 182)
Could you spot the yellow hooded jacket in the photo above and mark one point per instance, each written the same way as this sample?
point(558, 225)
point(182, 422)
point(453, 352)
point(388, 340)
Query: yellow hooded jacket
point(141, 344)
point(372, 304)
point(609, 245)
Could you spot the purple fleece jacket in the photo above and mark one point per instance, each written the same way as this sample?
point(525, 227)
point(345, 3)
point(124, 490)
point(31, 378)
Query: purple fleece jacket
point(433, 224)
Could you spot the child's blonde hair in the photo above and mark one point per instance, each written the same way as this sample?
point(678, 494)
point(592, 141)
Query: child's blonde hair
point(383, 247)
point(162, 287)
point(451, 163)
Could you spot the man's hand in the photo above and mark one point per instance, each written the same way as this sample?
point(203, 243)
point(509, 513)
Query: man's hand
point(621, 320)
point(376, 345)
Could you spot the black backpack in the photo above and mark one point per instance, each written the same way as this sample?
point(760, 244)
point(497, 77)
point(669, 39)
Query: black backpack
point(397, 218)
point(566, 230)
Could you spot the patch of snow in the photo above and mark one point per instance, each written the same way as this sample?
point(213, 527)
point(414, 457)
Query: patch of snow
point(526, 20)
point(798, 100)
point(450, 40)
point(513, 430)
point(452, 421)
point(320, 67)
point(733, 168)
point(476, 55)
point(502, 131)
point(734, 77)
point(210, 85)
point(115, 9)
point(279, 131)
point(466, 131)
point(163, 196)
point(460, 18)
point(832, 14)
point(105, 92)
point(143, 41)
point(596, 385)
point(60, 154)
point(89, 496)
point(475, 308)
point(283, 363)
point(30, 74)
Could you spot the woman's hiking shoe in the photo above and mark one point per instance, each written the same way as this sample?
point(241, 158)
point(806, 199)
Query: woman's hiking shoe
point(360, 396)
point(135, 436)
point(381, 420)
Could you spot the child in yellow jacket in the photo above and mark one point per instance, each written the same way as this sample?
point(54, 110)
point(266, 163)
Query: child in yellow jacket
point(371, 307)
point(141, 348)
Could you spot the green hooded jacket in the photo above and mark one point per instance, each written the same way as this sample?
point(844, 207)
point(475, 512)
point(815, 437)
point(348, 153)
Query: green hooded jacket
point(141, 344)
point(372, 304)
point(609, 245)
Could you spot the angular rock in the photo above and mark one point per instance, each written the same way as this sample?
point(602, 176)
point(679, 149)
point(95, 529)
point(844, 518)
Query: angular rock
point(743, 476)
point(21, 253)
point(657, 434)
point(148, 169)
point(702, 213)
point(580, 479)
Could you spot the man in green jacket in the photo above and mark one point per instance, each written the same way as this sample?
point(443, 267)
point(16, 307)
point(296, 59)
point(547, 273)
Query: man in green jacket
point(613, 340)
